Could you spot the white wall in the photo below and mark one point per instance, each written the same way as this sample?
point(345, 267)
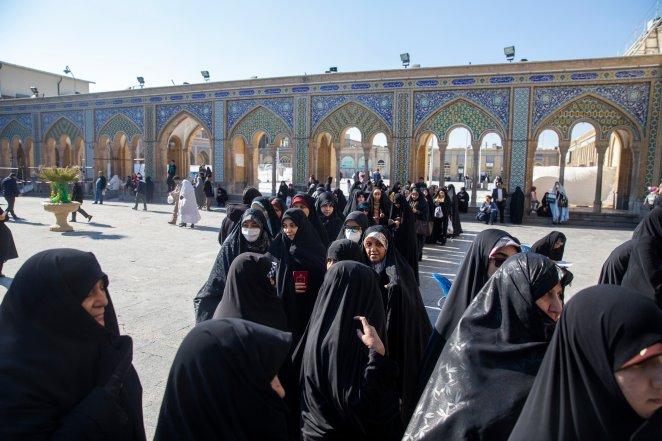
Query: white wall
point(17, 80)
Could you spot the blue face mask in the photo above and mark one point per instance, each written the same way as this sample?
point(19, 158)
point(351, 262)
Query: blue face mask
point(250, 234)
point(353, 234)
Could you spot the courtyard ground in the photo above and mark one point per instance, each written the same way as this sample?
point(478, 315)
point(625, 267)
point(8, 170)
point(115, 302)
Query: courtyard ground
point(155, 269)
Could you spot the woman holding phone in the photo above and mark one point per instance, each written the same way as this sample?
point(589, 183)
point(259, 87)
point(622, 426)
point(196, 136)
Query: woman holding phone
point(301, 260)
point(301, 265)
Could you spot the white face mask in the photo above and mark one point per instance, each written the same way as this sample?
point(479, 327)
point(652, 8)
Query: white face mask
point(250, 234)
point(353, 235)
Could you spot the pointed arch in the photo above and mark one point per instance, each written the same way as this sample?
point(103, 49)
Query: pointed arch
point(352, 114)
point(120, 123)
point(260, 119)
point(603, 114)
point(63, 126)
point(461, 112)
point(14, 128)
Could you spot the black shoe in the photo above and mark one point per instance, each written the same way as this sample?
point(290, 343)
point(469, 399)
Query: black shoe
point(134, 208)
point(192, 226)
point(144, 209)
point(182, 224)
point(89, 218)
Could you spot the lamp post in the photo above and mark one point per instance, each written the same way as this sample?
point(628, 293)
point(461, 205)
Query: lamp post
point(67, 70)
point(404, 58)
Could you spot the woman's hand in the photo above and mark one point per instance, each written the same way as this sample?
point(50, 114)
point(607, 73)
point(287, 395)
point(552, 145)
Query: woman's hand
point(369, 336)
point(300, 287)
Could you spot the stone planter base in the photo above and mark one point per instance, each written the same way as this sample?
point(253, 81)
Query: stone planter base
point(61, 212)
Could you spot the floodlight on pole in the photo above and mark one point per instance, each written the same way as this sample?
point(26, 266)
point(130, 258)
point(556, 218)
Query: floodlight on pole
point(405, 59)
point(509, 52)
point(205, 74)
point(68, 71)
point(35, 91)
point(141, 81)
point(332, 69)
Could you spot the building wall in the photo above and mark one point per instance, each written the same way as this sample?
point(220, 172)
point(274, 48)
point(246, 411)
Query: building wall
point(16, 81)
point(516, 100)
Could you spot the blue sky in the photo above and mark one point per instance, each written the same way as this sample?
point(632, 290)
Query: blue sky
point(112, 42)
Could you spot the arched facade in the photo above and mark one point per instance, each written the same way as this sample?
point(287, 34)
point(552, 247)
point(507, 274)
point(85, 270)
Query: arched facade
point(616, 133)
point(621, 96)
point(329, 138)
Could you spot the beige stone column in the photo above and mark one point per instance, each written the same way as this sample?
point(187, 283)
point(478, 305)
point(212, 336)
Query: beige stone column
point(337, 152)
point(563, 151)
point(635, 146)
point(601, 149)
point(367, 148)
point(274, 164)
point(443, 145)
point(475, 146)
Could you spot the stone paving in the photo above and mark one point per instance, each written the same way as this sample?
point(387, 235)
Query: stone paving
point(155, 269)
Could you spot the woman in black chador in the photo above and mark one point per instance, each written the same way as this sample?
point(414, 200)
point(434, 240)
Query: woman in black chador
point(7, 247)
point(344, 249)
point(403, 226)
point(651, 225)
point(307, 204)
point(235, 211)
point(486, 370)
point(301, 260)
point(223, 384)
point(598, 378)
point(407, 324)
point(454, 211)
point(379, 206)
point(356, 197)
point(273, 221)
point(251, 234)
point(65, 371)
point(551, 246)
point(488, 251)
point(250, 292)
point(348, 377)
point(616, 264)
point(516, 208)
point(644, 271)
point(327, 211)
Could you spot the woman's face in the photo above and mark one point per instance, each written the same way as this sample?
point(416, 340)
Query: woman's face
point(278, 211)
point(551, 303)
point(414, 195)
point(377, 194)
point(327, 210)
point(641, 385)
point(499, 257)
point(250, 223)
point(96, 301)
point(352, 224)
point(329, 263)
point(558, 244)
point(290, 228)
point(360, 198)
point(374, 249)
point(303, 207)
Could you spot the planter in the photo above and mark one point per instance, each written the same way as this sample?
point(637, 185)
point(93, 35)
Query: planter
point(61, 212)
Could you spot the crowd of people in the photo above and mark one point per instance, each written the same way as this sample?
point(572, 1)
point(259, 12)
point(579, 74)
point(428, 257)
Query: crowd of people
point(311, 326)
